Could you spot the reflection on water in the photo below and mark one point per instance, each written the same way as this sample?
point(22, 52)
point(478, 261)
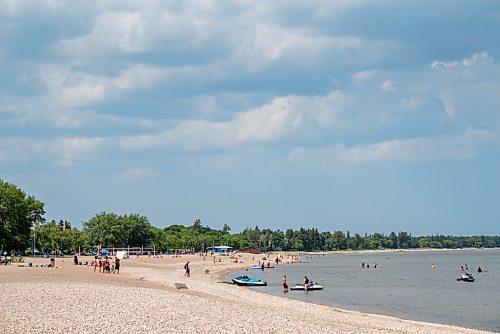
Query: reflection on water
point(404, 284)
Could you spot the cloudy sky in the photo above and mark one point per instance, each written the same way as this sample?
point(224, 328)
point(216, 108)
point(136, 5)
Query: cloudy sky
point(360, 115)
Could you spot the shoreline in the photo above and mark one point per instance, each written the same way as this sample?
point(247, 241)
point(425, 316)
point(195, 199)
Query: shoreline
point(158, 275)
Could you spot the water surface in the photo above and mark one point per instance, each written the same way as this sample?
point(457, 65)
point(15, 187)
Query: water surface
point(404, 285)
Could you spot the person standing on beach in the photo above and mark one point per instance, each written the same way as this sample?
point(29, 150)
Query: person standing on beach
point(285, 286)
point(117, 266)
point(188, 271)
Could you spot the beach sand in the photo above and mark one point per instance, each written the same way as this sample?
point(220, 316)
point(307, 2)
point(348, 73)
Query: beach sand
point(143, 299)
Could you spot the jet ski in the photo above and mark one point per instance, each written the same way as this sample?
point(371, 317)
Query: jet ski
point(310, 287)
point(466, 277)
point(247, 281)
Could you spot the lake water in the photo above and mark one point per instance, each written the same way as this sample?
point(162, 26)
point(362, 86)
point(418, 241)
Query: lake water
point(404, 285)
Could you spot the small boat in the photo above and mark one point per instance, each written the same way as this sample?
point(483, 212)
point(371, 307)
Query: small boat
point(247, 281)
point(466, 277)
point(260, 267)
point(310, 287)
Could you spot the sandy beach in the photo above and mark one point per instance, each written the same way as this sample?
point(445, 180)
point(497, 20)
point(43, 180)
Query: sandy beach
point(143, 299)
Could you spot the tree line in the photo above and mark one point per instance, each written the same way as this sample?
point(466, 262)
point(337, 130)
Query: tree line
point(22, 226)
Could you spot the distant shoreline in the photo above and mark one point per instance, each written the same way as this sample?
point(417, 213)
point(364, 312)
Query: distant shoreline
point(390, 250)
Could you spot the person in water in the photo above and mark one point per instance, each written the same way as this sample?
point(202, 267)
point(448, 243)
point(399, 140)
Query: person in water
point(285, 286)
point(479, 270)
point(306, 283)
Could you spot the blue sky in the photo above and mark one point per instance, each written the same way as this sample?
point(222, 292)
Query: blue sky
point(360, 115)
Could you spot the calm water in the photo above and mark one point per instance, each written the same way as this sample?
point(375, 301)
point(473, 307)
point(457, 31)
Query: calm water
point(403, 285)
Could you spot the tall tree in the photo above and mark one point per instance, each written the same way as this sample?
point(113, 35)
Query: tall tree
point(18, 213)
point(111, 230)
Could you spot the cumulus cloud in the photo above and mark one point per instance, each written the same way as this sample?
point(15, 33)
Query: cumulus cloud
point(176, 63)
point(118, 31)
point(267, 123)
point(425, 149)
point(67, 88)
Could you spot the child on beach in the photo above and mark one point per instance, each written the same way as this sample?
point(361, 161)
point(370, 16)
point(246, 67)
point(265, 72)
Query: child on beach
point(188, 271)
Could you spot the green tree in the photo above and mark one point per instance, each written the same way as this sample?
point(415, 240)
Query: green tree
point(226, 229)
point(18, 213)
point(111, 230)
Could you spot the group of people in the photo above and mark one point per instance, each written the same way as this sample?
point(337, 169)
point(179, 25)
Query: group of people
point(106, 265)
point(307, 283)
point(465, 267)
point(367, 265)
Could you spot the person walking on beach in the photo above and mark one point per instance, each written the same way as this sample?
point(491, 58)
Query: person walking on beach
point(188, 271)
point(285, 286)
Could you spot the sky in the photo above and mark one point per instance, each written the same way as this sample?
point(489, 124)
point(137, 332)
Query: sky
point(355, 115)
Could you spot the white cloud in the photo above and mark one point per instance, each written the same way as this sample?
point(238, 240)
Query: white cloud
point(61, 151)
point(425, 149)
point(331, 107)
point(267, 123)
point(388, 86)
point(76, 89)
point(113, 31)
point(363, 75)
point(265, 44)
point(139, 173)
